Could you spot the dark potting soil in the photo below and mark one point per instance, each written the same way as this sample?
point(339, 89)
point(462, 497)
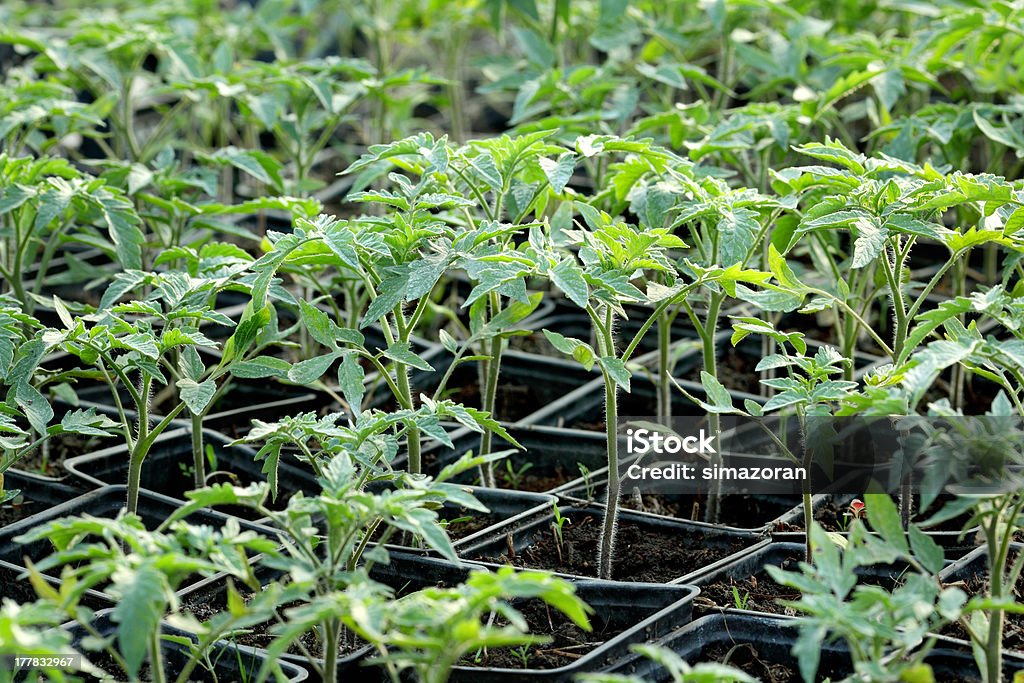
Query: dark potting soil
point(744, 656)
point(758, 593)
point(568, 642)
point(204, 607)
point(642, 553)
point(49, 458)
point(20, 507)
point(742, 511)
point(1013, 626)
point(513, 401)
point(467, 522)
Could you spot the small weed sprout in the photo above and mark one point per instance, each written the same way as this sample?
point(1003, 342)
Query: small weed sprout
point(740, 601)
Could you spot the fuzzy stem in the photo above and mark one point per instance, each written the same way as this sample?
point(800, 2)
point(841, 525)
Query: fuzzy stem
point(607, 548)
point(198, 462)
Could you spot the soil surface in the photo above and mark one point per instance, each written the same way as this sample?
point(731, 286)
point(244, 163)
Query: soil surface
point(642, 552)
point(745, 656)
point(49, 458)
point(467, 522)
point(758, 593)
point(205, 606)
point(569, 642)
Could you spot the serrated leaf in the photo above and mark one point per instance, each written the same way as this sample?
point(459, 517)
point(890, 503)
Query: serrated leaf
point(141, 598)
point(317, 323)
point(350, 380)
point(558, 172)
point(884, 518)
point(737, 231)
point(568, 277)
point(197, 395)
point(402, 352)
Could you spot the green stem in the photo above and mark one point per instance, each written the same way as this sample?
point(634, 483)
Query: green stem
point(664, 388)
point(710, 353)
point(156, 663)
point(606, 551)
point(330, 673)
point(198, 461)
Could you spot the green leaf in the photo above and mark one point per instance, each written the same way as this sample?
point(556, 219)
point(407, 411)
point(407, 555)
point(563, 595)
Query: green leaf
point(350, 380)
point(86, 422)
point(737, 230)
point(568, 277)
point(514, 312)
point(141, 598)
point(616, 369)
point(582, 352)
point(719, 400)
point(558, 172)
point(927, 551)
point(142, 342)
point(884, 518)
point(391, 293)
point(311, 369)
point(401, 352)
point(869, 243)
point(318, 323)
point(197, 395)
point(260, 367)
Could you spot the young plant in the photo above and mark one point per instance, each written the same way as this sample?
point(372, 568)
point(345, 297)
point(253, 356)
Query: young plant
point(485, 191)
point(888, 206)
point(430, 630)
point(143, 569)
point(611, 255)
point(557, 525)
point(46, 202)
point(130, 346)
point(333, 539)
point(979, 459)
point(740, 601)
point(888, 633)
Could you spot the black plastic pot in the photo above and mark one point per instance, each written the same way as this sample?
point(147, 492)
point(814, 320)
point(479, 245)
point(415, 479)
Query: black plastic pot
point(584, 407)
point(724, 542)
point(15, 586)
point(972, 568)
point(640, 611)
point(552, 458)
point(509, 509)
point(643, 611)
point(230, 662)
point(106, 502)
point(952, 661)
point(769, 639)
point(166, 469)
point(38, 494)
